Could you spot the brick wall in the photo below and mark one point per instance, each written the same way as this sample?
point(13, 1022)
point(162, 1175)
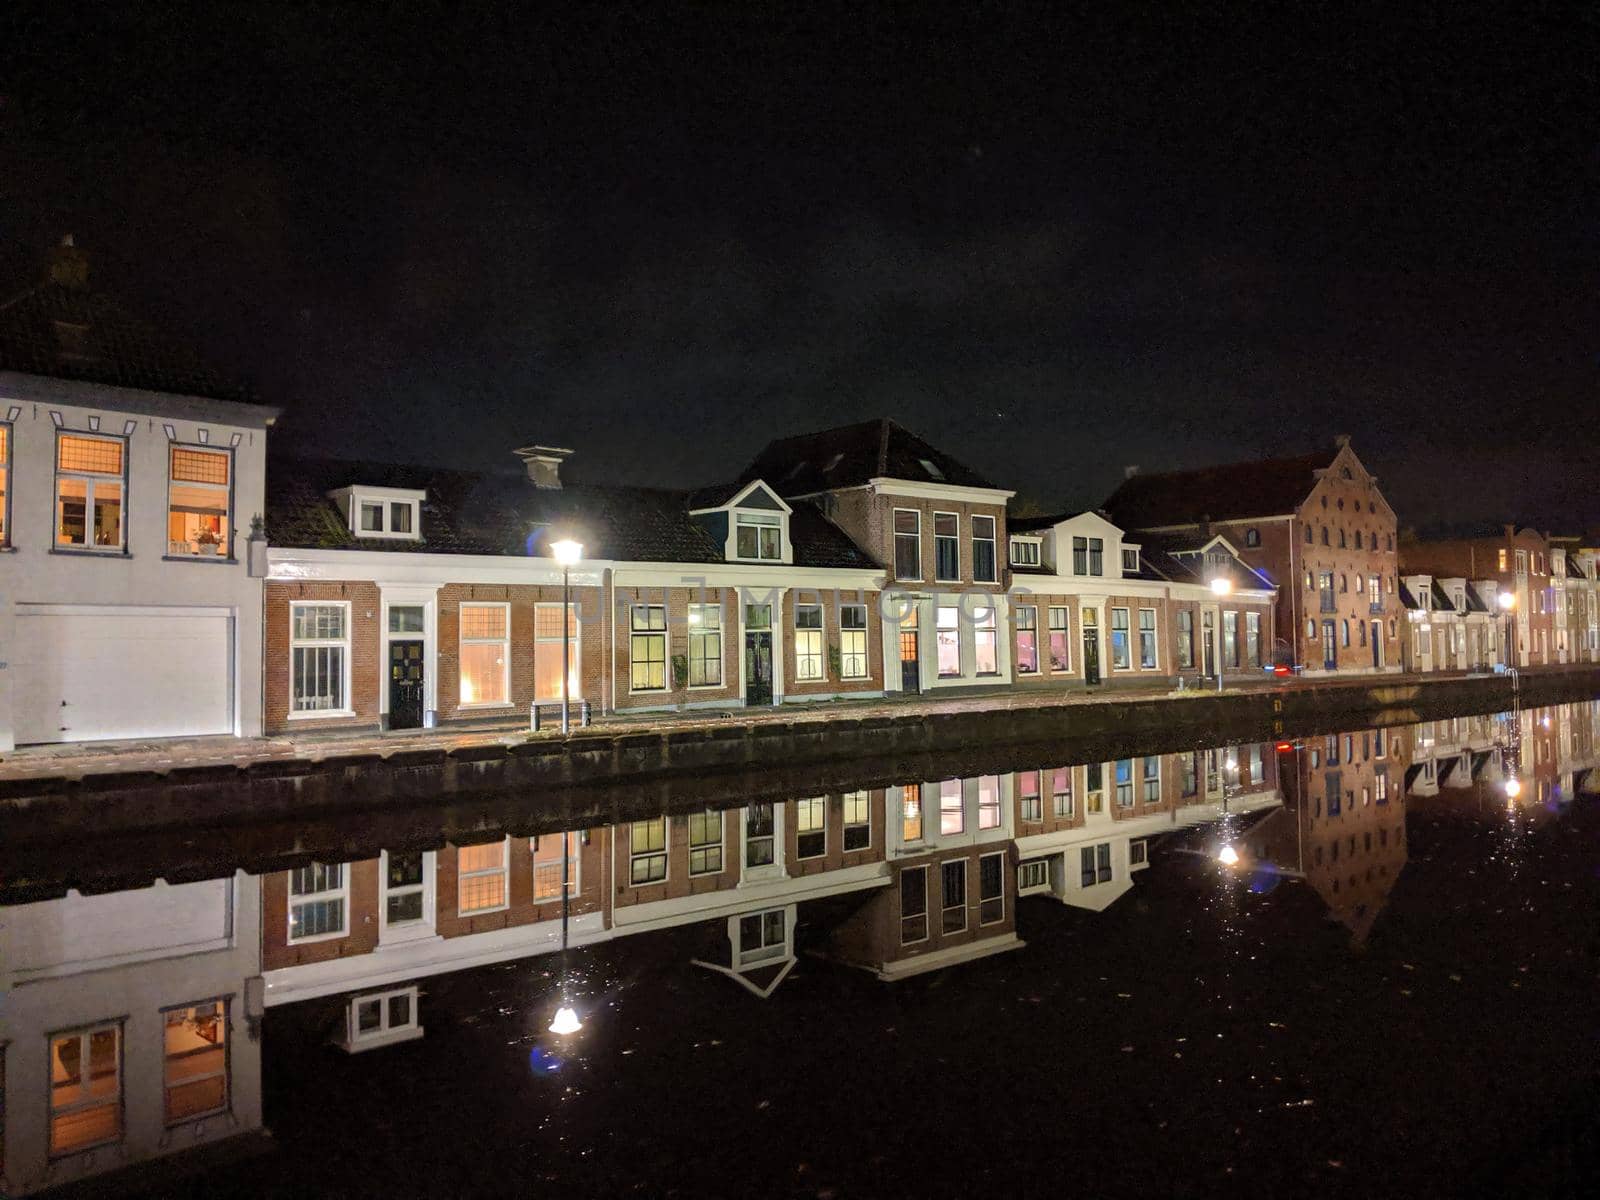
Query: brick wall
point(523, 909)
point(361, 920)
point(832, 680)
point(677, 601)
point(365, 647)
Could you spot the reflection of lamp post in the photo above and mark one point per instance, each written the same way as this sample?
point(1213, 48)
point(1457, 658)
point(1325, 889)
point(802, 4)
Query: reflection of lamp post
point(1508, 603)
point(1220, 587)
point(567, 553)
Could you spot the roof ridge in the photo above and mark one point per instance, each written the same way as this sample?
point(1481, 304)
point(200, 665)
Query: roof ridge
point(1230, 466)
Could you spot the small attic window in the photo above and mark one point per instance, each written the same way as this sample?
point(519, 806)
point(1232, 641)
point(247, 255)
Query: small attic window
point(1130, 559)
point(933, 471)
point(382, 512)
point(1025, 552)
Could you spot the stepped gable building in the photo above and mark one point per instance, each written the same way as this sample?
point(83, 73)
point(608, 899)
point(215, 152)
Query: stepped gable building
point(130, 476)
point(1316, 525)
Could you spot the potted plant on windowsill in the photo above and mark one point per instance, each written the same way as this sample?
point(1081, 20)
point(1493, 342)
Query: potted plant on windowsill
point(835, 663)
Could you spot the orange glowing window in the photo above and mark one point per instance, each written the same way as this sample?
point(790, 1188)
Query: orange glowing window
point(89, 455)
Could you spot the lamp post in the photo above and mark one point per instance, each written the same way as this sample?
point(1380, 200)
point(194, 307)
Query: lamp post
point(1220, 587)
point(1508, 603)
point(568, 553)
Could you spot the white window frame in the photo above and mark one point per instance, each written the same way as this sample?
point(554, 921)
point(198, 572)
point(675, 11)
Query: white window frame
point(853, 660)
point(1001, 898)
point(810, 645)
point(88, 479)
point(86, 1103)
point(1026, 551)
point(225, 1074)
point(759, 521)
point(340, 891)
point(986, 628)
point(1066, 631)
point(956, 789)
point(923, 916)
point(774, 836)
point(940, 631)
point(945, 927)
point(857, 814)
point(1037, 814)
point(225, 491)
point(503, 870)
point(342, 644)
point(356, 1040)
point(1060, 811)
point(572, 841)
point(1130, 559)
point(650, 854)
point(765, 950)
point(504, 642)
point(1027, 870)
point(1146, 780)
point(354, 501)
point(921, 815)
point(952, 537)
point(649, 631)
point(810, 819)
point(1154, 663)
point(423, 926)
point(896, 534)
point(993, 542)
point(705, 632)
point(545, 644)
point(1032, 611)
point(990, 815)
point(705, 846)
point(1127, 638)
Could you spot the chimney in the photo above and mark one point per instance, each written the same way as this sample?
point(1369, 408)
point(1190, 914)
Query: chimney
point(1130, 472)
point(69, 266)
point(1342, 440)
point(544, 464)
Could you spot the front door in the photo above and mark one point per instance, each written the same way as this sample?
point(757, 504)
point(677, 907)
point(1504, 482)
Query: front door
point(758, 654)
point(1330, 651)
point(1091, 646)
point(405, 684)
point(1377, 644)
point(910, 662)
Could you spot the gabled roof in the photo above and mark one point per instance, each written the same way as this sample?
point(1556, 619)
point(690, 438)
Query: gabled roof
point(853, 455)
point(1235, 492)
point(1441, 602)
point(502, 513)
point(68, 331)
point(1180, 558)
point(1474, 601)
point(1407, 599)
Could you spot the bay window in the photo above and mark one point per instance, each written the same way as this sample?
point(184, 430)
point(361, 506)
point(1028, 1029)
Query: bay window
point(195, 1061)
point(808, 660)
point(199, 494)
point(319, 654)
point(647, 647)
point(947, 547)
point(1060, 644)
point(705, 645)
point(481, 878)
point(853, 641)
point(85, 1089)
point(548, 638)
point(947, 636)
point(1027, 619)
point(1121, 653)
point(907, 544)
point(985, 642)
point(91, 481)
point(984, 559)
point(485, 654)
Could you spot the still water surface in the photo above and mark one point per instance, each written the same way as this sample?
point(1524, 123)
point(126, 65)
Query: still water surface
point(1391, 991)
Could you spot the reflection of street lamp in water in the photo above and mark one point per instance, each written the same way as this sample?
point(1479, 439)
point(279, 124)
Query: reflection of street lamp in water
point(1228, 856)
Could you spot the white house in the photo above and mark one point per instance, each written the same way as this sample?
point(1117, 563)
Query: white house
point(130, 476)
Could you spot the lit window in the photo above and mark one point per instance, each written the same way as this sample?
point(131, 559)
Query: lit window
point(1185, 637)
point(647, 647)
point(547, 864)
point(1094, 785)
point(198, 487)
point(946, 547)
point(705, 645)
point(907, 543)
point(1147, 638)
point(758, 536)
point(811, 827)
point(647, 851)
point(808, 642)
point(988, 802)
point(5, 485)
point(1124, 781)
point(1027, 620)
point(547, 651)
point(953, 911)
point(485, 653)
point(1230, 638)
point(371, 516)
point(1029, 801)
point(991, 889)
point(318, 896)
point(1121, 653)
point(952, 801)
point(196, 1067)
point(857, 820)
point(911, 812)
point(913, 905)
point(319, 648)
point(985, 642)
point(760, 840)
point(984, 565)
point(947, 636)
point(481, 877)
point(1252, 639)
point(853, 641)
point(85, 1089)
point(705, 843)
point(1061, 791)
point(1060, 647)
point(91, 480)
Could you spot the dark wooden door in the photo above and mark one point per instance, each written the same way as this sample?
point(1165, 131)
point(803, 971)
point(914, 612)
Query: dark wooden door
point(1330, 647)
point(758, 667)
point(405, 685)
point(1091, 655)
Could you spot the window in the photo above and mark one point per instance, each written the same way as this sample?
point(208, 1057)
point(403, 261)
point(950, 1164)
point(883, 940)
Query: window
point(1342, 544)
point(319, 648)
point(857, 820)
point(947, 636)
point(1380, 785)
point(760, 836)
point(1096, 556)
point(196, 1061)
point(984, 566)
point(985, 642)
point(1028, 798)
point(1308, 535)
point(1095, 864)
point(85, 1089)
point(758, 536)
point(1080, 556)
point(647, 647)
point(705, 843)
point(991, 889)
point(911, 812)
point(1147, 638)
point(371, 516)
point(812, 828)
point(404, 888)
point(1502, 558)
point(1138, 852)
point(946, 546)
point(907, 543)
point(317, 902)
point(1191, 773)
point(547, 652)
point(1152, 780)
point(1027, 619)
point(1344, 632)
point(1252, 639)
point(1185, 637)
point(5, 493)
point(1060, 647)
point(549, 851)
point(1094, 787)
point(91, 480)
point(1034, 873)
point(400, 517)
point(762, 936)
point(382, 1018)
point(1061, 791)
point(481, 878)
point(1230, 638)
point(1325, 585)
point(1024, 552)
point(1252, 537)
point(1121, 655)
point(952, 813)
point(988, 802)
point(1124, 781)
point(647, 851)
point(853, 641)
point(913, 905)
point(953, 910)
point(198, 488)
point(485, 654)
point(1130, 560)
point(808, 642)
point(406, 618)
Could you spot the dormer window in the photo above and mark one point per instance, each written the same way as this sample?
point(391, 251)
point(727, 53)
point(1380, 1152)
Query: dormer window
point(382, 512)
point(1025, 552)
point(752, 525)
point(1130, 560)
point(758, 536)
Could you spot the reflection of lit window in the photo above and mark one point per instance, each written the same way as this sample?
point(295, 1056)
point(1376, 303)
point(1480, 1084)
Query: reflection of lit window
point(547, 863)
point(481, 878)
point(853, 641)
point(760, 846)
point(198, 501)
point(1028, 799)
point(705, 843)
point(85, 1089)
point(952, 818)
point(647, 851)
point(196, 1061)
point(317, 896)
point(91, 478)
point(911, 812)
point(811, 827)
point(985, 642)
point(1061, 791)
point(857, 820)
point(947, 634)
point(5, 482)
point(705, 645)
point(988, 802)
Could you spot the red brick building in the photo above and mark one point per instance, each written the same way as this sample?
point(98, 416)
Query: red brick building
point(1518, 562)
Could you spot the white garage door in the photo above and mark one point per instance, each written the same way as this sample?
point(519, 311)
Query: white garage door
point(85, 673)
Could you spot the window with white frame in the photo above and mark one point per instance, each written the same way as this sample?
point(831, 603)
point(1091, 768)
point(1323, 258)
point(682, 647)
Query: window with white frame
point(1027, 623)
point(1033, 873)
point(953, 889)
point(1185, 637)
point(762, 937)
point(1094, 864)
point(548, 852)
point(1060, 644)
point(1252, 639)
point(808, 660)
point(907, 544)
point(1138, 852)
point(947, 547)
point(91, 490)
point(985, 567)
point(647, 851)
point(758, 535)
point(857, 820)
point(379, 516)
point(705, 843)
point(319, 654)
point(1124, 782)
point(985, 642)
point(404, 888)
point(1121, 654)
point(647, 647)
point(811, 827)
point(952, 807)
point(375, 1019)
point(85, 1088)
point(991, 889)
point(485, 653)
point(548, 638)
point(482, 878)
point(911, 812)
point(1061, 791)
point(947, 637)
point(988, 802)
point(195, 1061)
point(1147, 638)
point(1025, 552)
point(705, 645)
point(1230, 638)
point(1029, 801)
point(199, 492)
point(319, 896)
point(913, 905)
point(1152, 780)
point(760, 835)
point(853, 662)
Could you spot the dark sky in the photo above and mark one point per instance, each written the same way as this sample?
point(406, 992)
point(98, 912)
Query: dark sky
point(1054, 249)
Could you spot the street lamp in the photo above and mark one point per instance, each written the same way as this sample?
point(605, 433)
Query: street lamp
point(1508, 602)
point(1220, 587)
point(568, 553)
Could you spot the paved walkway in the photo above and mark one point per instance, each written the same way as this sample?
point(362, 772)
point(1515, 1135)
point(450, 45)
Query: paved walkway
point(163, 754)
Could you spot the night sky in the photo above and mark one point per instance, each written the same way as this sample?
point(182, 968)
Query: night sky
point(1052, 249)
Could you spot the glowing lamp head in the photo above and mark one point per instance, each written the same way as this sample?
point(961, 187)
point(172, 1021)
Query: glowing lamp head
point(1506, 600)
point(1228, 856)
point(567, 552)
point(1221, 585)
point(1513, 787)
point(566, 1021)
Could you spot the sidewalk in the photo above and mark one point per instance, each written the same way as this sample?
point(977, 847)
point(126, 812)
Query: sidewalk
point(162, 755)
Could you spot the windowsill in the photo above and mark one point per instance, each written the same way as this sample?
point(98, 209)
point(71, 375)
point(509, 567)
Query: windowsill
point(89, 552)
point(199, 558)
point(313, 940)
point(707, 687)
point(489, 705)
point(482, 912)
point(224, 1111)
point(321, 714)
point(73, 1153)
point(7, 548)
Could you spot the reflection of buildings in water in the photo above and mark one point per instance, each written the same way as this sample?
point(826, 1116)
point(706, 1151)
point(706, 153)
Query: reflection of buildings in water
point(129, 1017)
point(1533, 761)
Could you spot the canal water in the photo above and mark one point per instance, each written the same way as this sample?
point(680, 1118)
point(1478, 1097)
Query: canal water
point(1315, 983)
